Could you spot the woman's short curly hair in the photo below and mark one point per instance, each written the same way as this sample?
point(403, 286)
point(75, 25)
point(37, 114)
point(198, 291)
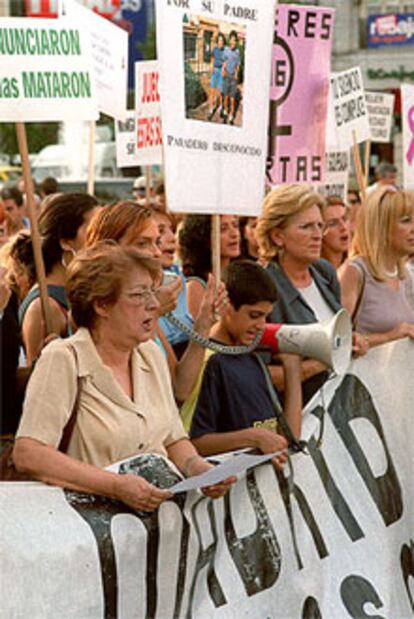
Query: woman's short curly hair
point(279, 206)
point(195, 245)
point(97, 274)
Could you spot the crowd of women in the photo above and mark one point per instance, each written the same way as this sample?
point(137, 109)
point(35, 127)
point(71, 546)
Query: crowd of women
point(128, 282)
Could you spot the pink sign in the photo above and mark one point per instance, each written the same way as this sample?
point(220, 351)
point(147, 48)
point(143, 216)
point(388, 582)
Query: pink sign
point(301, 66)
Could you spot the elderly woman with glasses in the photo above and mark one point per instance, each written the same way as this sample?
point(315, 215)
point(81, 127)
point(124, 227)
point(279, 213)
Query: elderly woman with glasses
point(376, 287)
point(117, 379)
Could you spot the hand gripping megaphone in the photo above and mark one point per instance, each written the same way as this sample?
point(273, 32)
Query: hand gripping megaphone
point(329, 341)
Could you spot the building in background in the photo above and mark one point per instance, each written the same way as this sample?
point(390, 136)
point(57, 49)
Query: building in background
point(379, 37)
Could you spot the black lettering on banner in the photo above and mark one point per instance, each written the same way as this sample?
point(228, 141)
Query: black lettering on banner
point(311, 609)
point(310, 25)
point(333, 493)
point(293, 19)
point(256, 556)
point(407, 568)
point(326, 25)
point(288, 489)
point(206, 557)
point(352, 401)
point(357, 591)
point(316, 169)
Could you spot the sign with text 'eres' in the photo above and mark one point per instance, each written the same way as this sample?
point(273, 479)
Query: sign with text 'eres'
point(347, 109)
point(214, 60)
point(380, 109)
point(45, 71)
point(299, 94)
point(126, 141)
point(407, 95)
point(148, 138)
point(109, 48)
point(337, 164)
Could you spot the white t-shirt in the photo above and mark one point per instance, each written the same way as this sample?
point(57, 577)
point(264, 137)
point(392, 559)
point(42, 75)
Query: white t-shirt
point(316, 301)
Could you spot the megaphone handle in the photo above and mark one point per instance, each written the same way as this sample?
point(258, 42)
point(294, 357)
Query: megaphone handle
point(294, 444)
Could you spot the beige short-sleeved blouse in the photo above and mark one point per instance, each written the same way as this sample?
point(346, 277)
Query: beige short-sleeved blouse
point(109, 425)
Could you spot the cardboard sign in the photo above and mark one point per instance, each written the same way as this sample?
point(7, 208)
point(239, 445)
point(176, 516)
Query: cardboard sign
point(337, 167)
point(407, 96)
point(380, 110)
point(126, 141)
point(148, 138)
point(214, 60)
point(109, 45)
point(301, 61)
point(348, 109)
point(45, 71)
point(330, 537)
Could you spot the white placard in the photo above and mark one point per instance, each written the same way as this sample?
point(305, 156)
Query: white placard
point(109, 45)
point(45, 71)
point(380, 110)
point(148, 112)
point(126, 142)
point(212, 166)
point(347, 109)
point(407, 96)
point(336, 174)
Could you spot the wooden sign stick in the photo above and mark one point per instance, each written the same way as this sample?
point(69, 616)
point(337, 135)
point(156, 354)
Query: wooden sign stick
point(91, 159)
point(367, 156)
point(148, 185)
point(216, 249)
point(358, 168)
point(35, 236)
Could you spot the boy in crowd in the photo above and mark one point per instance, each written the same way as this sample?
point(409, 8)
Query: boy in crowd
point(234, 409)
point(230, 71)
point(13, 202)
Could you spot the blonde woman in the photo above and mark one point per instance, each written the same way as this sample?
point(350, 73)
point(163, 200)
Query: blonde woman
point(289, 233)
point(376, 288)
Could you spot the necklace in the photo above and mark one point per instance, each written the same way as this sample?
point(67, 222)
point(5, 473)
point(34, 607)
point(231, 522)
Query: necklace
point(392, 274)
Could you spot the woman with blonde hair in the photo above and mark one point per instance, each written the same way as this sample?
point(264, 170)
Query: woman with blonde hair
point(289, 233)
point(376, 288)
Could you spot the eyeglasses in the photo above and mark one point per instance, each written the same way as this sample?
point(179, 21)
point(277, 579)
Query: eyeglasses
point(144, 297)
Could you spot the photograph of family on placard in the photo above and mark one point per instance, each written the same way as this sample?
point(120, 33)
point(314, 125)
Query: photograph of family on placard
point(214, 53)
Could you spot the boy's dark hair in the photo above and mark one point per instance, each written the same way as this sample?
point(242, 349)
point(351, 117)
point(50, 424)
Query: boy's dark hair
point(233, 33)
point(248, 283)
point(49, 185)
point(12, 193)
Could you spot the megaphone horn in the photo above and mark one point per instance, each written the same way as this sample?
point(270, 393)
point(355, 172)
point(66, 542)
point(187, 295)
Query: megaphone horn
point(329, 341)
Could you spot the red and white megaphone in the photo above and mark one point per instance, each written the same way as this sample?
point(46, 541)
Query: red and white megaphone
point(329, 341)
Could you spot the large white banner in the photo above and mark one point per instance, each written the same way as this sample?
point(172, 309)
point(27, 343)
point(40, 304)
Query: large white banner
point(215, 60)
point(332, 537)
point(45, 71)
point(109, 44)
point(347, 112)
point(380, 110)
point(407, 96)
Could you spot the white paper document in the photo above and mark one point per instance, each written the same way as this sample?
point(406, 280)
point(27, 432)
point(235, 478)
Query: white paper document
point(232, 466)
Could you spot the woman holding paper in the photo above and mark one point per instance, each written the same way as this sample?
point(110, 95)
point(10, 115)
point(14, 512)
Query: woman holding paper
point(376, 287)
point(115, 377)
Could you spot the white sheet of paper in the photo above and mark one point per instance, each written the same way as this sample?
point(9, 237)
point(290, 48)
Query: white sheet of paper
point(232, 466)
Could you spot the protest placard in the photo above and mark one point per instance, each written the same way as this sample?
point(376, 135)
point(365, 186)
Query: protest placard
point(214, 61)
point(380, 110)
point(348, 109)
point(337, 165)
point(45, 71)
point(299, 94)
point(126, 141)
point(148, 138)
point(407, 96)
point(109, 48)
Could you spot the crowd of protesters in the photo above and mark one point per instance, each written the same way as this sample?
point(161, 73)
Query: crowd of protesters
point(133, 380)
